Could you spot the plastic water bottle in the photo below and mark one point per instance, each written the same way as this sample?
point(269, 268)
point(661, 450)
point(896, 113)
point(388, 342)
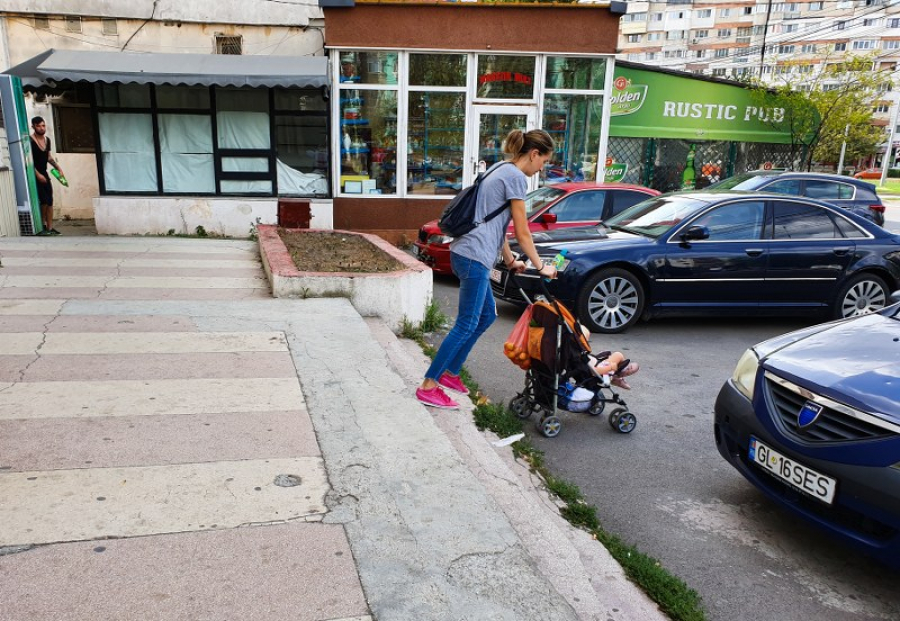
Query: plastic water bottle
point(59, 177)
point(558, 261)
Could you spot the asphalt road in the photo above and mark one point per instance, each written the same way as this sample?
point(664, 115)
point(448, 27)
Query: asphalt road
point(666, 489)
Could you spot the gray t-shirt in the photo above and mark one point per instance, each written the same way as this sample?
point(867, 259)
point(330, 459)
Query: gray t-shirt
point(483, 243)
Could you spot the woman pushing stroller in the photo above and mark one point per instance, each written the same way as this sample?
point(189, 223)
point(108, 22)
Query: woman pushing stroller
point(473, 254)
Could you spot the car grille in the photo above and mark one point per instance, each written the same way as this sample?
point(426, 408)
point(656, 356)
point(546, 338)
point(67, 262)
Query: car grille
point(832, 425)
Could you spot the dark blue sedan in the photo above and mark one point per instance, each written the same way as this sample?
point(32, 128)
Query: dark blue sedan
point(812, 418)
point(715, 253)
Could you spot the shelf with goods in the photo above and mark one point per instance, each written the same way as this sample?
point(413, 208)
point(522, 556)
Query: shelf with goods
point(367, 155)
point(435, 152)
point(556, 123)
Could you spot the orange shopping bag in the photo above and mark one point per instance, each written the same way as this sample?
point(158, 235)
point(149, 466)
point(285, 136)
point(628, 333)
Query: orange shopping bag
point(516, 346)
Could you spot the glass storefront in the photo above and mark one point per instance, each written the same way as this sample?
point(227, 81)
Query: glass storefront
point(406, 122)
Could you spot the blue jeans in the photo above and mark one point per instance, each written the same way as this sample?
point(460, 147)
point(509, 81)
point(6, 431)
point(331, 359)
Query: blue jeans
point(476, 314)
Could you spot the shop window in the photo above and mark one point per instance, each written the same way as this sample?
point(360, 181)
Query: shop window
point(123, 95)
point(74, 129)
point(186, 152)
point(576, 73)
point(301, 142)
point(505, 77)
point(437, 70)
point(182, 97)
point(368, 67)
point(574, 123)
point(368, 141)
point(127, 156)
point(242, 128)
point(436, 139)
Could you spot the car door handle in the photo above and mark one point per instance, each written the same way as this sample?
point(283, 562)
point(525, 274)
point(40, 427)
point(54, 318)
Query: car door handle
point(754, 252)
point(841, 250)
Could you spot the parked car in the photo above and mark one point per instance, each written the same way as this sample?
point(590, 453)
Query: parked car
point(812, 418)
point(550, 207)
point(706, 252)
point(857, 196)
point(869, 173)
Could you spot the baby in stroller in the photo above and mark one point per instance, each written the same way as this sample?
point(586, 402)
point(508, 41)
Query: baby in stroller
point(563, 371)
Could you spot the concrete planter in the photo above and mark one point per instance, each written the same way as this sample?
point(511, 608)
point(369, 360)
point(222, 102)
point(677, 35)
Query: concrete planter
point(388, 295)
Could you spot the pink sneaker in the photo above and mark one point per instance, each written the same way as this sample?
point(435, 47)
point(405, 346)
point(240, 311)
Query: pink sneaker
point(453, 382)
point(436, 398)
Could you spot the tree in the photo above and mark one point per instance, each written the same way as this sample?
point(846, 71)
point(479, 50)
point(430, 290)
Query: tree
point(819, 107)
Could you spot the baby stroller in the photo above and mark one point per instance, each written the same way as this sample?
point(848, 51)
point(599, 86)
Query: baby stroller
point(559, 375)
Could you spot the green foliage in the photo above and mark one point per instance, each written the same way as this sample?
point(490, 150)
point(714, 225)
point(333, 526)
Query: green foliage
point(819, 110)
point(201, 232)
point(434, 321)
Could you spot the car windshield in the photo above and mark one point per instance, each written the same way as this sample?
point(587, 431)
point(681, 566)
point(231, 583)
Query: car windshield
point(655, 216)
point(744, 181)
point(540, 198)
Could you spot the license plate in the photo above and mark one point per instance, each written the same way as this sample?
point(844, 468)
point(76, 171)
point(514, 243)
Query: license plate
point(496, 276)
point(797, 475)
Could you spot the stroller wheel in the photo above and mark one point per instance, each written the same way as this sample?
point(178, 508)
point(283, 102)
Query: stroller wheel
point(597, 408)
point(520, 407)
point(550, 426)
point(622, 420)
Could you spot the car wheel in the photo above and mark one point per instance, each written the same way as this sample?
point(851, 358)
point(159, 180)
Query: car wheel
point(611, 301)
point(861, 295)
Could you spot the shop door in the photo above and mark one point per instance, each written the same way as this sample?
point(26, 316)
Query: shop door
point(489, 125)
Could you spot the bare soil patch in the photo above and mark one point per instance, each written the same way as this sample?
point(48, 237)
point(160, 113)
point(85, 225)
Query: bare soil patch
point(317, 251)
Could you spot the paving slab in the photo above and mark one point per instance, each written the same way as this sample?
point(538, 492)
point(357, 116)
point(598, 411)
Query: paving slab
point(263, 573)
point(147, 397)
point(96, 503)
point(23, 322)
point(106, 442)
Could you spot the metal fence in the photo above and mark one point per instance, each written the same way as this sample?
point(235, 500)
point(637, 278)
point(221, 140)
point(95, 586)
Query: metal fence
point(660, 163)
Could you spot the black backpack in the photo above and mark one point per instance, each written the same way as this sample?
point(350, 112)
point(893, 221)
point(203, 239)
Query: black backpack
point(458, 217)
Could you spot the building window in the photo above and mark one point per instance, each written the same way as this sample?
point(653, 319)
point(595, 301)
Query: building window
point(785, 49)
point(505, 77)
point(881, 109)
point(41, 22)
point(724, 33)
point(704, 13)
point(745, 31)
point(865, 44)
point(229, 44)
point(840, 25)
point(724, 12)
point(635, 17)
point(791, 28)
point(73, 24)
point(109, 26)
point(212, 140)
point(701, 34)
point(893, 22)
point(654, 36)
point(368, 122)
point(816, 6)
point(719, 72)
point(891, 45)
point(634, 38)
point(840, 47)
point(722, 52)
point(748, 10)
point(72, 120)
point(656, 17)
point(437, 122)
point(872, 22)
point(675, 35)
point(791, 7)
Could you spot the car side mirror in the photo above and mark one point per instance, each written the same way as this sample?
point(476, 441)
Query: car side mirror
point(549, 218)
point(695, 233)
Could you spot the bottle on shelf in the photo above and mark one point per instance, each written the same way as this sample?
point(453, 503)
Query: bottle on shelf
point(689, 176)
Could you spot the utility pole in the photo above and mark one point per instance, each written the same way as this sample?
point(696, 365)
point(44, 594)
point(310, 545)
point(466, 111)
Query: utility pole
point(885, 162)
point(840, 169)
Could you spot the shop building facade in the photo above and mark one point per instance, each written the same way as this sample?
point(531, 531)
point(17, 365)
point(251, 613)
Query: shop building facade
point(415, 118)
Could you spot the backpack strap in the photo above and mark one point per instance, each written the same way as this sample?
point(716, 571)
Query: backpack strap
point(502, 207)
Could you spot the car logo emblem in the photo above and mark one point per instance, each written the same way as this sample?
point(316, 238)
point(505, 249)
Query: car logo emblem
point(809, 414)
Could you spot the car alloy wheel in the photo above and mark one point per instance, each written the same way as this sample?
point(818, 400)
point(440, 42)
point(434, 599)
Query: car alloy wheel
point(611, 301)
point(862, 295)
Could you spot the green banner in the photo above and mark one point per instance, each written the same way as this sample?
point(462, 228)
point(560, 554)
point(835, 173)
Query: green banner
point(650, 104)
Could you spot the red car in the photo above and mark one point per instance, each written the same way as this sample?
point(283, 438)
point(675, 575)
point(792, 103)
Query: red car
point(869, 173)
point(550, 207)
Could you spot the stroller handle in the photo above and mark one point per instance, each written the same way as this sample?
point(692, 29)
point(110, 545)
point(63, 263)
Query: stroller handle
point(543, 283)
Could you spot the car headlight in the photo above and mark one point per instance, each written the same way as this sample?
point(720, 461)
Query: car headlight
point(439, 238)
point(744, 376)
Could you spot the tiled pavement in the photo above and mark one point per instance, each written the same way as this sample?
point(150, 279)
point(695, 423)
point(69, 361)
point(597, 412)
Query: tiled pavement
point(140, 453)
